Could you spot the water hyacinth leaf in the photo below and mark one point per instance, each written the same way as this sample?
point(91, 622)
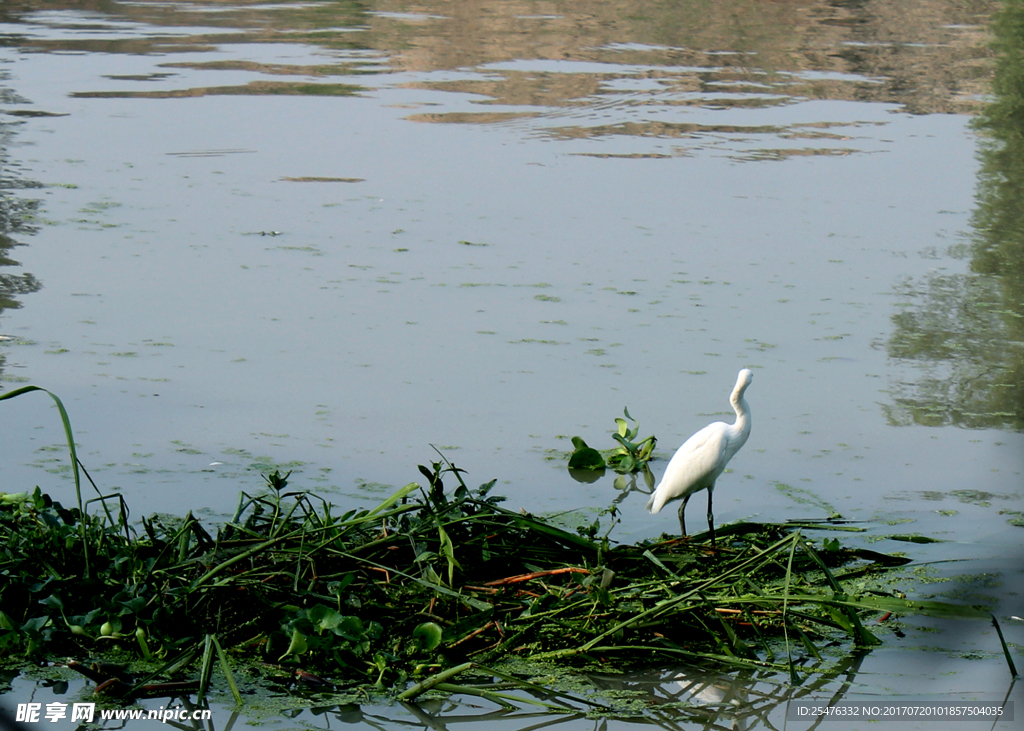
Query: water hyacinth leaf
point(629, 434)
point(36, 624)
point(336, 588)
point(545, 587)
point(324, 618)
point(630, 456)
point(584, 457)
point(297, 646)
point(351, 628)
point(140, 637)
point(53, 601)
point(427, 635)
point(624, 463)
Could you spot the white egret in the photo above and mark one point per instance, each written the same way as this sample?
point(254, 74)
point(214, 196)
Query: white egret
point(697, 464)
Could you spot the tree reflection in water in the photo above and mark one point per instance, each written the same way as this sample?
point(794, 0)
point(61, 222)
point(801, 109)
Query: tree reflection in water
point(16, 216)
point(964, 333)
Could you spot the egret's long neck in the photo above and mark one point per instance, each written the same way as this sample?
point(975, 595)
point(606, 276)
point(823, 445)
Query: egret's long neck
point(741, 428)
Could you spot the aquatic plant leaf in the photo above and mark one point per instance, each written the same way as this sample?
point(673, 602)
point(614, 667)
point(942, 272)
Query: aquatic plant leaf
point(324, 618)
point(428, 635)
point(398, 495)
point(624, 463)
point(226, 668)
point(909, 538)
point(345, 591)
point(448, 550)
point(53, 601)
point(72, 453)
point(205, 669)
point(860, 634)
point(896, 605)
point(36, 624)
point(351, 628)
point(1006, 650)
point(140, 637)
point(627, 446)
point(297, 646)
point(586, 459)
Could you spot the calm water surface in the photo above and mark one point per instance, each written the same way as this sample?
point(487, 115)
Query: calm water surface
point(326, 236)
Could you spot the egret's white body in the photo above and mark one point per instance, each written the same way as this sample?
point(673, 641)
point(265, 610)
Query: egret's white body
point(697, 464)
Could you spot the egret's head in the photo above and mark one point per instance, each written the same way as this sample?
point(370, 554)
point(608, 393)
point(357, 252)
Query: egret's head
point(743, 380)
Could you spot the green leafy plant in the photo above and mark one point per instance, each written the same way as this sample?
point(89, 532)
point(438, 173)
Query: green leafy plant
point(629, 457)
point(428, 582)
point(631, 454)
point(585, 457)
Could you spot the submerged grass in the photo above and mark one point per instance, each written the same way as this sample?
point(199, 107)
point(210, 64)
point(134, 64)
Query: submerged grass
point(427, 585)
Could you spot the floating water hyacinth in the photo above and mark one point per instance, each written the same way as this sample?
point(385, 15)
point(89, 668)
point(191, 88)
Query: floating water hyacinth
point(430, 583)
point(630, 456)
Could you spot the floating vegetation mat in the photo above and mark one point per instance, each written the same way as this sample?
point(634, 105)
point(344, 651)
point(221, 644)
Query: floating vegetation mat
point(429, 584)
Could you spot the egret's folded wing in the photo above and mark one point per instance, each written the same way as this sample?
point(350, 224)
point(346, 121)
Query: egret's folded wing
point(694, 466)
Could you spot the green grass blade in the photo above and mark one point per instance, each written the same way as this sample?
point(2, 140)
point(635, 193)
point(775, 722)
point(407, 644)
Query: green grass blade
point(860, 635)
point(537, 526)
point(400, 494)
point(170, 667)
point(282, 538)
point(793, 677)
point(670, 604)
point(228, 675)
point(448, 550)
point(205, 670)
point(1006, 650)
point(66, 421)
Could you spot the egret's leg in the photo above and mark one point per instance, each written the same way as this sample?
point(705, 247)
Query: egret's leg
point(711, 516)
point(682, 518)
